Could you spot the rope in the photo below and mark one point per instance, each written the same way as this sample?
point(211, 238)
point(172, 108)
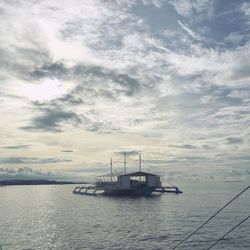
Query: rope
point(211, 217)
point(228, 232)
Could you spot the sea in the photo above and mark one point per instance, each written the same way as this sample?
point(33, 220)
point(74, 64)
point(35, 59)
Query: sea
point(52, 217)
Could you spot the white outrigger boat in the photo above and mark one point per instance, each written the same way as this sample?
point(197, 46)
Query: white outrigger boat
point(133, 184)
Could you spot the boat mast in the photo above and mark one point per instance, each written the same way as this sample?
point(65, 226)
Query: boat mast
point(125, 167)
point(140, 165)
point(140, 162)
point(111, 169)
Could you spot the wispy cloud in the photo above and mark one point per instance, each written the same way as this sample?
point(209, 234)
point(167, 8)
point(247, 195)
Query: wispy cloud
point(128, 152)
point(24, 160)
point(188, 8)
point(190, 32)
point(234, 140)
point(185, 146)
point(50, 120)
point(25, 146)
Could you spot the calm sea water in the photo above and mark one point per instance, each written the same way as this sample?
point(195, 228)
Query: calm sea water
point(51, 217)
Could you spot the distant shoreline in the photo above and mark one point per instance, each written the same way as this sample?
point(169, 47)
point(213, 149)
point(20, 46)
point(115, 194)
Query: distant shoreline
point(18, 182)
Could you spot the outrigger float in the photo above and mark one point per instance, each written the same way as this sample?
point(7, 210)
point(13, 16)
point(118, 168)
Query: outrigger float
point(133, 184)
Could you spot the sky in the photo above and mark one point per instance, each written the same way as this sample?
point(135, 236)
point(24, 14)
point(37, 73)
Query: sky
point(82, 81)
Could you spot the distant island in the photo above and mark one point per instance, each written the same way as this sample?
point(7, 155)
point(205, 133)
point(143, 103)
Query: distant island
point(36, 182)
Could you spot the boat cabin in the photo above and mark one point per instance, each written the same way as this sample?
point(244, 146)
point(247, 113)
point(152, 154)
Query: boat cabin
point(130, 180)
point(138, 179)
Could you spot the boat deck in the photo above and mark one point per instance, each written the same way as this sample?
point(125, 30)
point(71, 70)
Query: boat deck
point(86, 190)
point(169, 189)
point(92, 190)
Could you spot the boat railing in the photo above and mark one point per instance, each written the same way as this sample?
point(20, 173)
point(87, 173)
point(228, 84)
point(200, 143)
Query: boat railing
point(101, 183)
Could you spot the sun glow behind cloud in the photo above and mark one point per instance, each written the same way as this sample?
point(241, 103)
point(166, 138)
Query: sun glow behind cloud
point(44, 90)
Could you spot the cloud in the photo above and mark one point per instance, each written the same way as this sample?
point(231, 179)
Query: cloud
point(245, 8)
point(183, 7)
point(115, 73)
point(32, 160)
point(234, 140)
point(24, 146)
point(208, 147)
point(69, 99)
point(50, 120)
point(95, 84)
point(235, 39)
point(190, 32)
point(193, 7)
point(67, 151)
point(128, 153)
point(120, 82)
point(54, 70)
point(185, 146)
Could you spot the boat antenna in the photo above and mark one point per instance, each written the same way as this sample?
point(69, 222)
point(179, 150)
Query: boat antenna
point(125, 162)
point(111, 169)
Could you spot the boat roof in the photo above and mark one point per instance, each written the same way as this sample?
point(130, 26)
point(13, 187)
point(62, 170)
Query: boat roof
point(139, 173)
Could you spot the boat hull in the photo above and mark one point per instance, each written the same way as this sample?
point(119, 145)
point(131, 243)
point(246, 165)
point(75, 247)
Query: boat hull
point(143, 191)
